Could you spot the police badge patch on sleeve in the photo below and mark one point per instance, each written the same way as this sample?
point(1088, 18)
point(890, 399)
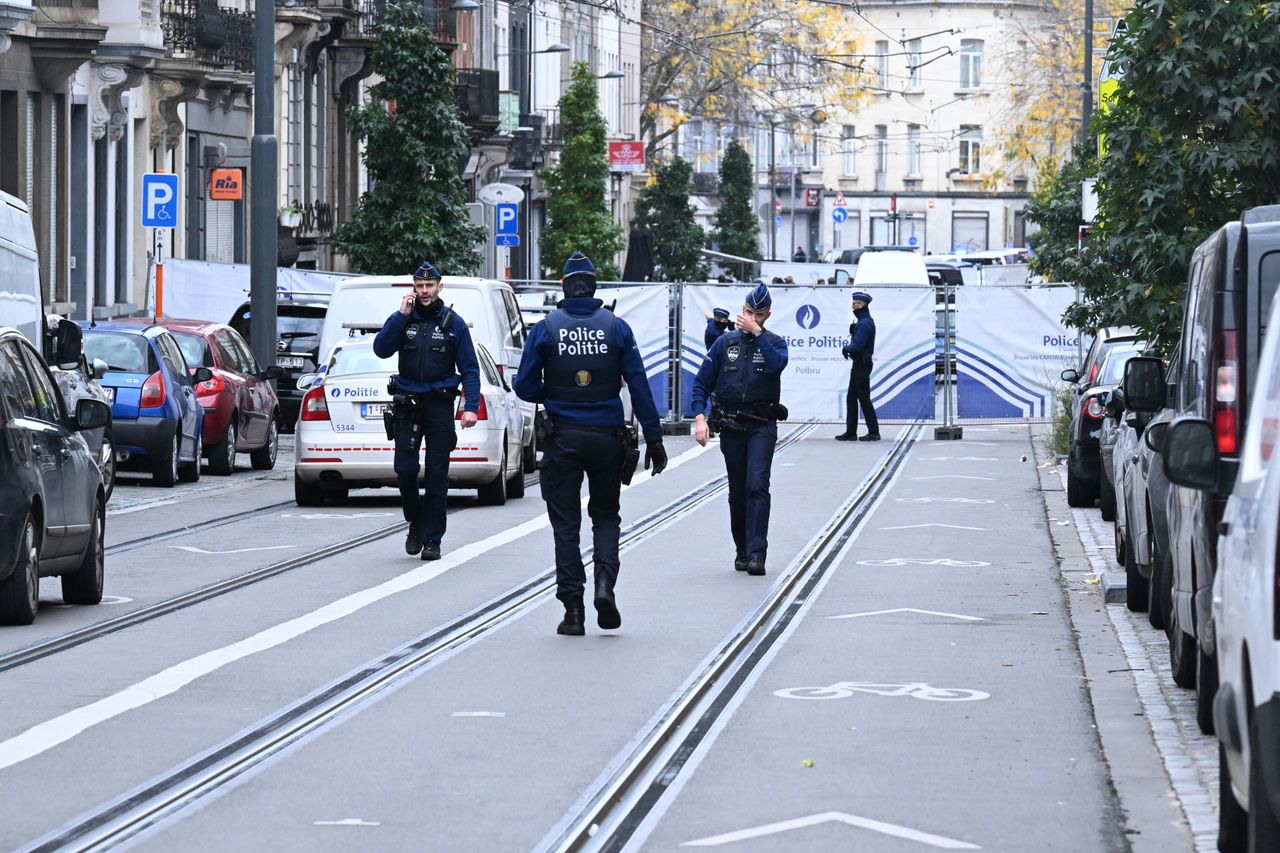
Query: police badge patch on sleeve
point(411, 332)
point(582, 378)
point(733, 352)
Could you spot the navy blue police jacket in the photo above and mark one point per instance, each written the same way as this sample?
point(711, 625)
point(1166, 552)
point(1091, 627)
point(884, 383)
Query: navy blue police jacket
point(714, 330)
point(862, 337)
point(531, 380)
point(740, 369)
point(431, 358)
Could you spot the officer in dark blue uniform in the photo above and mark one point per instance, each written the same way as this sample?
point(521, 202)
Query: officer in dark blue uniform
point(859, 350)
point(742, 376)
point(717, 325)
point(574, 363)
point(436, 355)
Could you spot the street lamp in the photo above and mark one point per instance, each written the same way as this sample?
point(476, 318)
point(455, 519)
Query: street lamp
point(464, 6)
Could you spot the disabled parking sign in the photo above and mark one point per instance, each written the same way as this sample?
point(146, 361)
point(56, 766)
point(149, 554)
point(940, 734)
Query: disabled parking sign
point(159, 200)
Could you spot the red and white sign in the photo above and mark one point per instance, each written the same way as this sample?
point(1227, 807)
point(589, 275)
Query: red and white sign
point(626, 156)
point(777, 205)
point(812, 197)
point(839, 200)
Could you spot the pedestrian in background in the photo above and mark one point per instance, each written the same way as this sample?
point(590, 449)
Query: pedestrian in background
point(436, 356)
point(859, 350)
point(574, 363)
point(740, 386)
point(799, 256)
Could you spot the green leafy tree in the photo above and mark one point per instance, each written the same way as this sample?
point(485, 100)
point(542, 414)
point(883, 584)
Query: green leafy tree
point(578, 217)
point(415, 206)
point(1191, 141)
point(663, 207)
point(737, 229)
point(1055, 207)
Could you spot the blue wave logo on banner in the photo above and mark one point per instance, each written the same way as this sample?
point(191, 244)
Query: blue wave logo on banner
point(808, 317)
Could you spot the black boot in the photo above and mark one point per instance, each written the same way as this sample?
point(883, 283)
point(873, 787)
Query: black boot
point(575, 617)
point(412, 544)
point(431, 550)
point(871, 436)
point(607, 615)
point(847, 436)
point(755, 566)
point(740, 562)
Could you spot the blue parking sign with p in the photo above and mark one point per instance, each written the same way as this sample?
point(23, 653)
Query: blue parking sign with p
point(159, 200)
point(507, 225)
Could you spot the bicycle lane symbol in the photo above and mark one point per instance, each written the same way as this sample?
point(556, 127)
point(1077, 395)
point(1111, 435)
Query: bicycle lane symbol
point(910, 561)
point(915, 690)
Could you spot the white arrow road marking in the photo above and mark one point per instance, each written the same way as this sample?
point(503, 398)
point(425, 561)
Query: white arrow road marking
point(348, 821)
point(952, 477)
point(836, 817)
point(58, 730)
point(194, 550)
point(478, 714)
point(958, 459)
point(909, 610)
point(933, 524)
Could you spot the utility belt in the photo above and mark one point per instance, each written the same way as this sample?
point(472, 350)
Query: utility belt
point(404, 405)
point(753, 414)
point(547, 428)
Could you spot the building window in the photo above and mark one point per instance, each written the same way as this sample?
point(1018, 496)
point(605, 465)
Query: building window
point(882, 149)
point(815, 151)
point(914, 60)
point(882, 64)
point(970, 149)
point(968, 232)
point(970, 63)
point(850, 142)
point(913, 149)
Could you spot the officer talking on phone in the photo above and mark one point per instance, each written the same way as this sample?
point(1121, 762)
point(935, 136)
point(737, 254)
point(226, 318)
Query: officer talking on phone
point(436, 355)
point(574, 363)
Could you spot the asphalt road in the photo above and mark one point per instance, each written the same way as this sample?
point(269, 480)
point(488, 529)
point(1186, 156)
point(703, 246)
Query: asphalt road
point(925, 691)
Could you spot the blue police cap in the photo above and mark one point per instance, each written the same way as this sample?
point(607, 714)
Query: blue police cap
point(720, 313)
point(579, 277)
point(864, 298)
point(427, 270)
point(759, 299)
point(579, 264)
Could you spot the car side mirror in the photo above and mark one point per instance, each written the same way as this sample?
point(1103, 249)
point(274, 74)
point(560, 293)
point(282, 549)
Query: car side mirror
point(1191, 454)
point(1116, 403)
point(66, 345)
point(1154, 437)
point(305, 381)
point(99, 368)
point(1070, 375)
point(275, 371)
point(1144, 386)
point(201, 374)
point(842, 277)
point(91, 414)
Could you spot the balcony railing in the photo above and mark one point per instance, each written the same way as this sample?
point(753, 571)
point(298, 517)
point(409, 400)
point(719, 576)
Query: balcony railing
point(238, 50)
point(478, 97)
point(367, 22)
point(193, 28)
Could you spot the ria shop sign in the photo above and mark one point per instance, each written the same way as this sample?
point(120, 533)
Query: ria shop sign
point(626, 157)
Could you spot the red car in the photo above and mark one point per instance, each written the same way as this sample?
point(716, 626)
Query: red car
point(240, 405)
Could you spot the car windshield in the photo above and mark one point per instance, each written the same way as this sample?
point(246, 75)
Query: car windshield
point(123, 353)
point(195, 349)
point(1113, 367)
point(360, 360)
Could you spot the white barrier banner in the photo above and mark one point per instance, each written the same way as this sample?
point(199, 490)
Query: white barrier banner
point(646, 309)
point(1011, 344)
point(815, 322)
point(200, 290)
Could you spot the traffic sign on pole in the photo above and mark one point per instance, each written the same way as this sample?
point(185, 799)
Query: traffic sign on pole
point(840, 215)
point(839, 200)
point(507, 219)
point(159, 200)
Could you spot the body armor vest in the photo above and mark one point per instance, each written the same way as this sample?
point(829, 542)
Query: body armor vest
point(584, 358)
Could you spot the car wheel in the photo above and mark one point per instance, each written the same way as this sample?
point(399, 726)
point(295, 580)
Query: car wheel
point(1182, 655)
point(1136, 593)
point(494, 493)
point(1264, 829)
point(1080, 494)
point(515, 484)
point(264, 458)
point(84, 585)
point(306, 494)
point(108, 465)
point(20, 592)
point(165, 471)
point(1157, 586)
point(222, 456)
point(1118, 543)
point(1233, 820)
point(1107, 498)
point(190, 472)
point(1206, 689)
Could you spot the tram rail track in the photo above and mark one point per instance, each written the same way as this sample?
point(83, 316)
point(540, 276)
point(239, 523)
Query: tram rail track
point(123, 819)
point(200, 527)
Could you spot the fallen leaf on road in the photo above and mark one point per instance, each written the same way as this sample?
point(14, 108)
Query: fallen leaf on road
point(806, 763)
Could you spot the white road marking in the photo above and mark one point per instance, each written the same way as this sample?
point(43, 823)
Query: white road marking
point(952, 477)
point(478, 714)
point(958, 459)
point(62, 728)
point(192, 549)
point(348, 821)
point(916, 690)
point(312, 516)
point(836, 817)
point(910, 561)
point(944, 501)
point(933, 524)
point(909, 610)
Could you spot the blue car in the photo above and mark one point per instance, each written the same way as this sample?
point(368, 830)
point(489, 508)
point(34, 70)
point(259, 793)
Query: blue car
point(155, 414)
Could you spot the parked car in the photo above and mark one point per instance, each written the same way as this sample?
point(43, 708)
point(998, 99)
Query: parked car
point(298, 329)
point(1230, 287)
point(54, 518)
point(1103, 340)
point(1246, 708)
point(1084, 455)
point(1113, 408)
point(241, 411)
point(342, 443)
point(155, 414)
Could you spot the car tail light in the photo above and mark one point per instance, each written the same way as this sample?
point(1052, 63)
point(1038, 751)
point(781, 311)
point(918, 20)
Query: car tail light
point(152, 392)
point(482, 414)
point(1093, 372)
point(211, 386)
point(1093, 408)
point(314, 407)
point(1226, 392)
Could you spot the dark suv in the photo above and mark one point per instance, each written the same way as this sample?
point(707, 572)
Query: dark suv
point(298, 327)
point(1232, 281)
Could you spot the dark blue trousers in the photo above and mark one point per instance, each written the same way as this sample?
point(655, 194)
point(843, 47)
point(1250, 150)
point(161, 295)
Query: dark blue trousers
point(748, 458)
point(432, 425)
point(860, 395)
point(567, 456)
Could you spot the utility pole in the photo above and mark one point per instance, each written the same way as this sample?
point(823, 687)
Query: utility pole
point(263, 172)
point(1087, 110)
point(773, 199)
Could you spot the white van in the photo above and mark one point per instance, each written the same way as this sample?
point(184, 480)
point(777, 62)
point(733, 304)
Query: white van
point(20, 304)
point(360, 306)
point(891, 269)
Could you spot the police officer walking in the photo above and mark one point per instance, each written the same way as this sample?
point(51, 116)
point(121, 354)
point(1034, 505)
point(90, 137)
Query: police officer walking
point(742, 377)
point(436, 355)
point(859, 350)
point(574, 363)
point(717, 325)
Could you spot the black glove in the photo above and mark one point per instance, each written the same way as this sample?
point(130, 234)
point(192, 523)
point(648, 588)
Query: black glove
point(846, 352)
point(655, 454)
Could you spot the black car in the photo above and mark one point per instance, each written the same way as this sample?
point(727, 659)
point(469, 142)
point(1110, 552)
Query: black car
point(298, 327)
point(1230, 286)
point(52, 502)
point(1084, 453)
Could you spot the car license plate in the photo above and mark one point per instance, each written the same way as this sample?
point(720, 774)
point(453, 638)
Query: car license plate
point(111, 394)
point(372, 410)
point(289, 361)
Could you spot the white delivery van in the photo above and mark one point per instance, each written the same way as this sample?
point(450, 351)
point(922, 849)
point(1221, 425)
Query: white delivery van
point(360, 306)
point(891, 269)
point(20, 304)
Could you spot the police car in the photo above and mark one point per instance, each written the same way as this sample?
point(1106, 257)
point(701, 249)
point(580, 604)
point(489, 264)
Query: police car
point(341, 442)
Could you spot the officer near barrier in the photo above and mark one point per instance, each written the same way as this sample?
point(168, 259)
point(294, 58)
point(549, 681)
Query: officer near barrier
point(741, 380)
point(574, 363)
point(436, 355)
point(859, 350)
point(717, 325)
